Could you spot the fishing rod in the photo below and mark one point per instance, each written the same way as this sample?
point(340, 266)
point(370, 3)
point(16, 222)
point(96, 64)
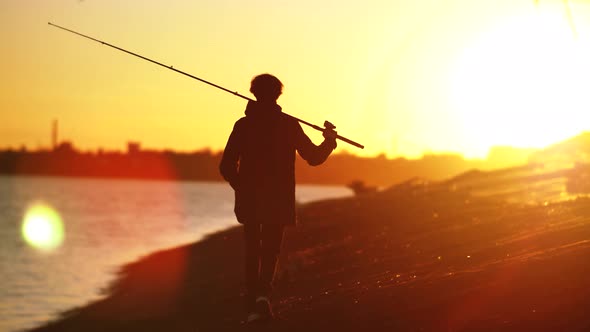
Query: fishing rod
point(328, 125)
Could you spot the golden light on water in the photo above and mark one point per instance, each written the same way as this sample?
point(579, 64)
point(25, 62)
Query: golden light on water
point(42, 227)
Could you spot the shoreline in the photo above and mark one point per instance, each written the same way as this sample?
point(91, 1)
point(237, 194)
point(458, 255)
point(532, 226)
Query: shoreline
point(415, 257)
point(103, 237)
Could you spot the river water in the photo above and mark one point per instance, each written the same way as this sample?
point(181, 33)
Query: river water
point(106, 223)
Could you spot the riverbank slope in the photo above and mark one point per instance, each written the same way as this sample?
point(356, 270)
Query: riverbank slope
point(420, 256)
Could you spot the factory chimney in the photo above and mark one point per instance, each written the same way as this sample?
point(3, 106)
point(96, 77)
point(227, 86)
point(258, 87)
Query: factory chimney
point(54, 134)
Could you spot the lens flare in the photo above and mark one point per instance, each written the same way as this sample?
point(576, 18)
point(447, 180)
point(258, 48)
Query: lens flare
point(42, 227)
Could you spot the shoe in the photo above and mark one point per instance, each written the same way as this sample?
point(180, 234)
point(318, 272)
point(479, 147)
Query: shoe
point(263, 308)
point(253, 317)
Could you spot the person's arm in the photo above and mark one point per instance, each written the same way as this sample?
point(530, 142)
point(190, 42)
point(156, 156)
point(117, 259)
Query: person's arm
point(314, 154)
point(231, 156)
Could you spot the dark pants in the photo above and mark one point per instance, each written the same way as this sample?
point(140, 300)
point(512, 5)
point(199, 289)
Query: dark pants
point(263, 244)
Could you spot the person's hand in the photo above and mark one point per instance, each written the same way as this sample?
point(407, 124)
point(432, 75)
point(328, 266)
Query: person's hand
point(330, 134)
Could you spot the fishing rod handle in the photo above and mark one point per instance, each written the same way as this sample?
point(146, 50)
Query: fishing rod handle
point(316, 127)
point(351, 142)
point(329, 126)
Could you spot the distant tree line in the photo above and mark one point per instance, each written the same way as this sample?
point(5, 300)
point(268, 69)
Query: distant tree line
point(136, 163)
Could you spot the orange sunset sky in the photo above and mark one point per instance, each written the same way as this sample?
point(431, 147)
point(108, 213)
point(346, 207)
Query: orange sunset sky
point(399, 76)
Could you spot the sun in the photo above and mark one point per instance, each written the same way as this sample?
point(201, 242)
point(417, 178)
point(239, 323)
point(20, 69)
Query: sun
point(523, 83)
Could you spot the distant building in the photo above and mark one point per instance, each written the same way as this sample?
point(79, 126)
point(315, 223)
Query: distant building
point(65, 147)
point(133, 147)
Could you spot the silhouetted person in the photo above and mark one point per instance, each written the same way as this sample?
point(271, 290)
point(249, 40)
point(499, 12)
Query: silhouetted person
point(259, 164)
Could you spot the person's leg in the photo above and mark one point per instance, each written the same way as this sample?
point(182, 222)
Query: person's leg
point(252, 260)
point(272, 239)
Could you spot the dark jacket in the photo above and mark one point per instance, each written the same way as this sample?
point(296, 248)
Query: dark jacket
point(259, 164)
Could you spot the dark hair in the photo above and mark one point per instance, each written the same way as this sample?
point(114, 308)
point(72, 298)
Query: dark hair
point(266, 86)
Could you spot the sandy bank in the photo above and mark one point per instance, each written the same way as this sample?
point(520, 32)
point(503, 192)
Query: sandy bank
point(417, 257)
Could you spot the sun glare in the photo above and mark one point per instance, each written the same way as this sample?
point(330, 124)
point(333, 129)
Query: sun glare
point(42, 227)
point(523, 83)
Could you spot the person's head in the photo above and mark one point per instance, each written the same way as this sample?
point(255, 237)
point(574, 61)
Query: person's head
point(266, 87)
